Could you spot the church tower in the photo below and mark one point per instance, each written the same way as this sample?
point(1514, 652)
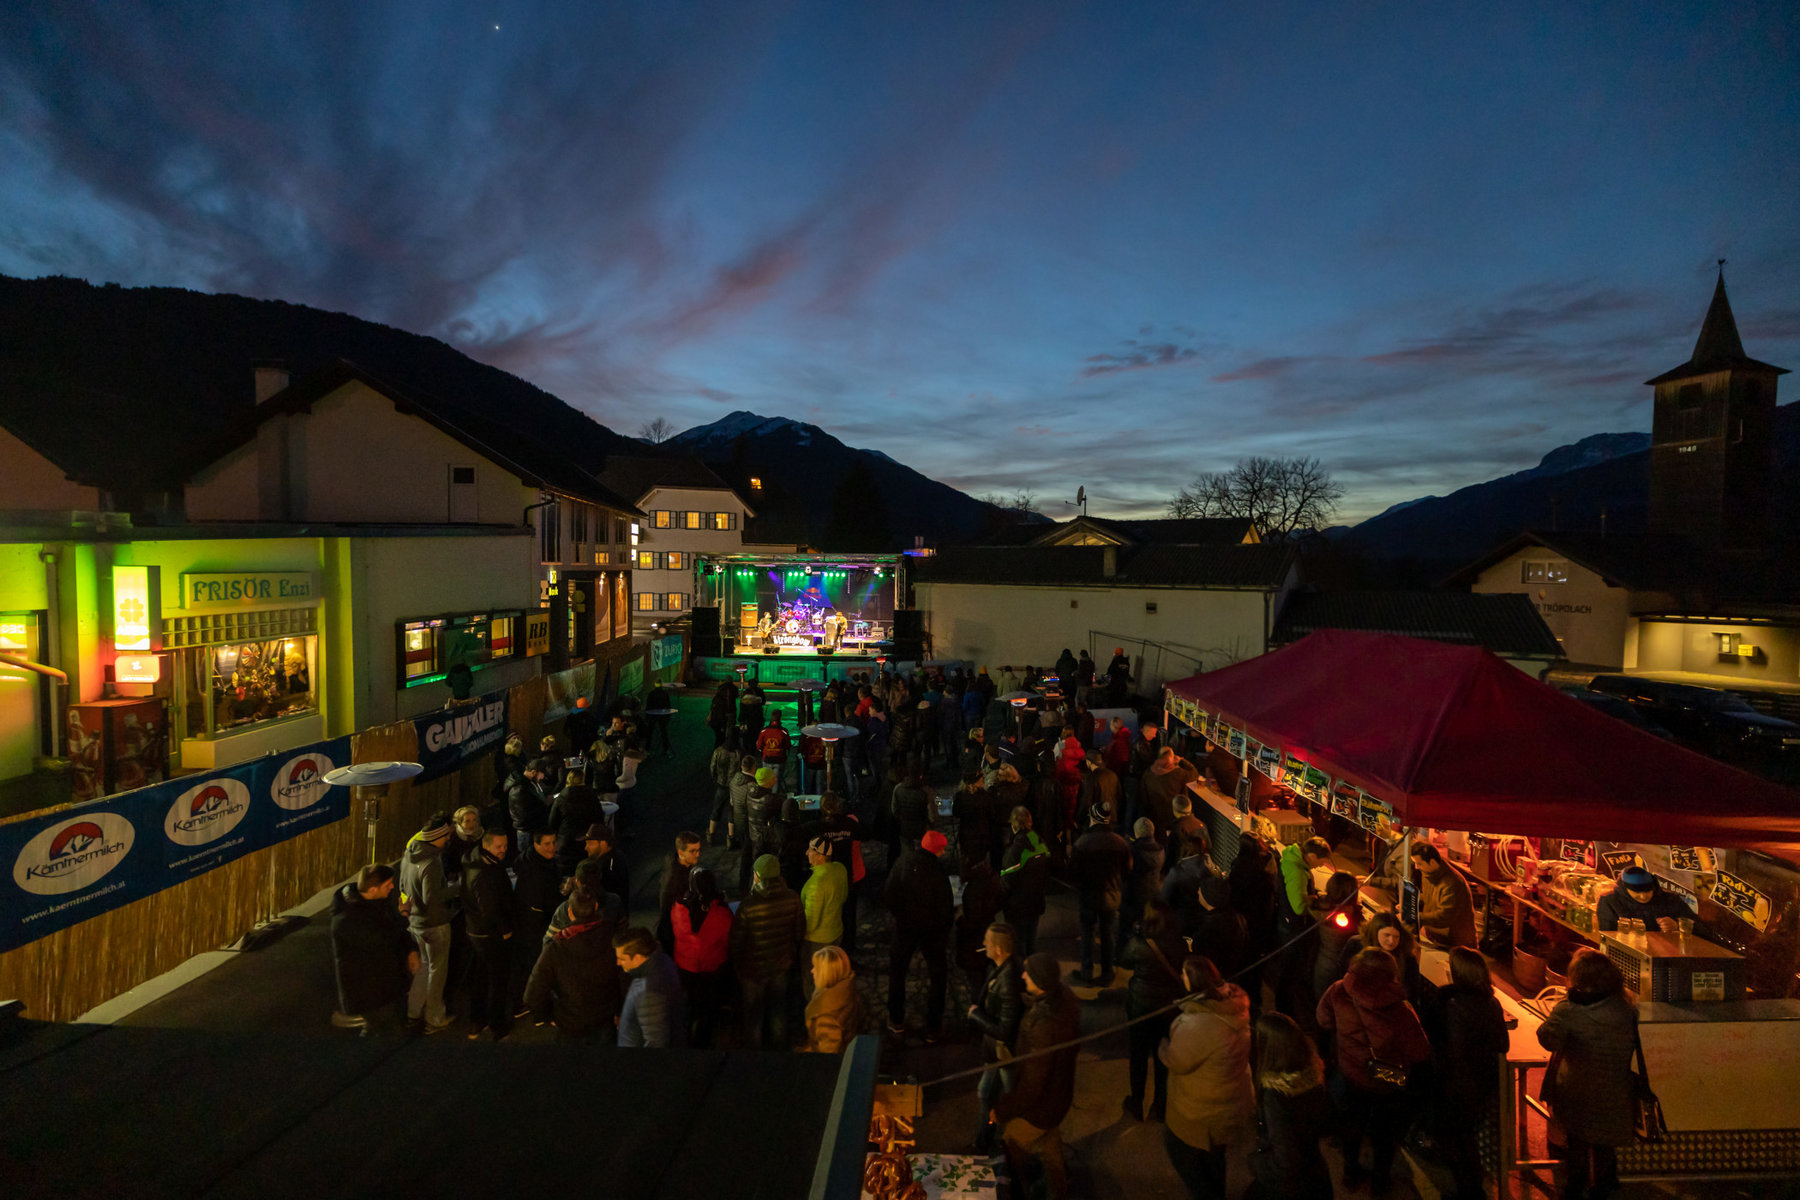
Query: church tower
point(1712, 453)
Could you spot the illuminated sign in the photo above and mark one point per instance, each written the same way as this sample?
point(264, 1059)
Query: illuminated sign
point(137, 608)
point(215, 590)
point(14, 636)
point(537, 634)
point(137, 668)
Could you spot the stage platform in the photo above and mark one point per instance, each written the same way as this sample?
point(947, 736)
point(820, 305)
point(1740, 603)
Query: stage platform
point(790, 666)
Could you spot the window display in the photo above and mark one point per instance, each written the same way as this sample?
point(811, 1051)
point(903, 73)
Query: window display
point(242, 683)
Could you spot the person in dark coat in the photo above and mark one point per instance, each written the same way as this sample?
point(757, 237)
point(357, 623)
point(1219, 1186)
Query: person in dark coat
point(721, 718)
point(765, 945)
point(1640, 897)
point(1145, 882)
point(1219, 934)
point(676, 869)
point(974, 820)
point(1467, 1028)
point(1181, 886)
point(576, 807)
point(525, 801)
point(914, 807)
point(999, 1005)
point(491, 921)
point(1253, 898)
point(576, 981)
point(654, 1014)
point(1367, 1012)
point(980, 909)
point(1031, 1115)
point(1385, 931)
point(1024, 878)
point(537, 890)
point(918, 896)
point(374, 956)
point(1154, 958)
point(599, 843)
point(1446, 907)
point(1295, 1113)
point(1118, 678)
point(658, 699)
point(1100, 862)
point(1338, 941)
point(582, 726)
point(1594, 1033)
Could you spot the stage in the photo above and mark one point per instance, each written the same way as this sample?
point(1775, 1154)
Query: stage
point(790, 666)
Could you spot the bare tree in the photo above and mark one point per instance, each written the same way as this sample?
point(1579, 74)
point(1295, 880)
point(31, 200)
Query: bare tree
point(1284, 496)
point(659, 430)
point(1021, 503)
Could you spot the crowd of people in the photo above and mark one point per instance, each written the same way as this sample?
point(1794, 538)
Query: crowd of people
point(1262, 1008)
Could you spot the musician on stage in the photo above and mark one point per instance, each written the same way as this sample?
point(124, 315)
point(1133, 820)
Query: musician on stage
point(835, 625)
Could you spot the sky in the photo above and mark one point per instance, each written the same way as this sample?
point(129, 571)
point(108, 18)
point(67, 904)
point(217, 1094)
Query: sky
point(1015, 245)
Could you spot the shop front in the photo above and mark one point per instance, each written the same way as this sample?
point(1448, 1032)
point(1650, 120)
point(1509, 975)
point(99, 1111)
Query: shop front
point(1546, 809)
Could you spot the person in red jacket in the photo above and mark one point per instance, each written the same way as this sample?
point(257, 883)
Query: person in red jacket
point(1069, 758)
point(1379, 1038)
point(772, 743)
point(702, 922)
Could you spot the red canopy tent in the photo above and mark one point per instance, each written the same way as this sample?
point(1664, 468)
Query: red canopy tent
point(1455, 738)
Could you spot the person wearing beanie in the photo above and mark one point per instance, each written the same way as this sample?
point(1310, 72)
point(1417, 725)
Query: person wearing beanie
point(1446, 908)
point(1100, 862)
point(1640, 897)
point(765, 944)
point(918, 896)
point(1031, 1114)
point(822, 898)
point(425, 897)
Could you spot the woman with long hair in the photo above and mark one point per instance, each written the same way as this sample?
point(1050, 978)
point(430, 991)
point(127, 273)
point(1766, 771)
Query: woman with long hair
point(702, 923)
point(1467, 1027)
point(835, 1014)
point(1293, 1113)
point(1379, 1041)
point(1593, 1035)
point(1386, 931)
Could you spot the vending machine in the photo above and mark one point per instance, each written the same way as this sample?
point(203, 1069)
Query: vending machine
point(117, 745)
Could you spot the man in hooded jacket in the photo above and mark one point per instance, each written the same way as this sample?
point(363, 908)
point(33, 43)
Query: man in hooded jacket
point(1031, 1114)
point(374, 956)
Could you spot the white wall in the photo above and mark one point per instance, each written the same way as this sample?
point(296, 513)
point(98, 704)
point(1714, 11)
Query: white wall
point(688, 541)
point(1586, 615)
point(28, 480)
point(997, 626)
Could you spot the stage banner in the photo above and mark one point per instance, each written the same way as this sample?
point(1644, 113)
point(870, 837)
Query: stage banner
point(294, 784)
point(452, 737)
point(665, 652)
point(79, 863)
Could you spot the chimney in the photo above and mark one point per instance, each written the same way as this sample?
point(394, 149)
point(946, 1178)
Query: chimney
point(1109, 561)
point(271, 377)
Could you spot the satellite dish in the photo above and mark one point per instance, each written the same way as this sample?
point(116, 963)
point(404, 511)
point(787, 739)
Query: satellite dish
point(1081, 495)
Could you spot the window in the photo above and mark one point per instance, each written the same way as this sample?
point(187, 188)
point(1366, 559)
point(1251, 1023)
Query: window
point(755, 484)
point(549, 533)
point(240, 684)
point(662, 518)
point(649, 560)
point(429, 646)
point(692, 520)
point(724, 520)
point(578, 523)
point(675, 560)
point(646, 601)
point(1546, 571)
point(676, 602)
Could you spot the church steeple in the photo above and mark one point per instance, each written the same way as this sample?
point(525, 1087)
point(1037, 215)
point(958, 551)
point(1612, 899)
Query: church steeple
point(1719, 341)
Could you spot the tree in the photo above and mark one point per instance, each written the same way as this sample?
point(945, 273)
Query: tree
point(1021, 504)
point(659, 430)
point(1284, 496)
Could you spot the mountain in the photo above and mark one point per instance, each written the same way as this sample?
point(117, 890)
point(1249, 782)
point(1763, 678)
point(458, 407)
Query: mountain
point(1600, 482)
point(817, 490)
point(174, 366)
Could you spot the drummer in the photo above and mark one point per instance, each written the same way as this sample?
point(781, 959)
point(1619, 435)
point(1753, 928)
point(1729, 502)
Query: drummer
point(1640, 896)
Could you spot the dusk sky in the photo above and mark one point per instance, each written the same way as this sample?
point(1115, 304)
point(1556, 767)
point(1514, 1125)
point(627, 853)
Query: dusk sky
point(1012, 245)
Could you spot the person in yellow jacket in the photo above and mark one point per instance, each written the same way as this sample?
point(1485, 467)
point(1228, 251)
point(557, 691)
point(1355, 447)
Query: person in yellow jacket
point(822, 899)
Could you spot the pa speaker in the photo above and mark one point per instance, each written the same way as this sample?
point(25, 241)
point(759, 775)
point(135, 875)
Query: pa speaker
point(710, 647)
point(909, 624)
point(907, 650)
point(705, 622)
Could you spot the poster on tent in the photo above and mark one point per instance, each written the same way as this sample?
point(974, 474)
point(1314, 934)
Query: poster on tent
point(1738, 897)
point(1377, 816)
point(1615, 861)
point(1692, 858)
point(1293, 765)
point(1346, 801)
point(1675, 889)
point(1268, 761)
point(1574, 851)
point(1315, 785)
point(1235, 742)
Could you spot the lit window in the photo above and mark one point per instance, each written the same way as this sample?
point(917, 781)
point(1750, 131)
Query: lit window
point(646, 560)
point(676, 601)
point(755, 484)
point(724, 520)
point(1546, 571)
point(674, 560)
point(248, 682)
point(692, 520)
point(646, 601)
point(662, 518)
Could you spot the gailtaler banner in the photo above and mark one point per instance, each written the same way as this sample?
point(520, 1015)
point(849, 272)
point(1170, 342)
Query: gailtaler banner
point(452, 737)
point(75, 864)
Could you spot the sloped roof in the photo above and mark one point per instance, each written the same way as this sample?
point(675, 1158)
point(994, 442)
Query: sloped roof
point(636, 476)
point(1718, 348)
point(1149, 531)
point(1228, 566)
point(1506, 623)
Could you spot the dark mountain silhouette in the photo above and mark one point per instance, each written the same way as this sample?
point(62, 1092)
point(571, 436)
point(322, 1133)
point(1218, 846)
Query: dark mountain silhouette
point(819, 491)
point(173, 367)
point(1576, 487)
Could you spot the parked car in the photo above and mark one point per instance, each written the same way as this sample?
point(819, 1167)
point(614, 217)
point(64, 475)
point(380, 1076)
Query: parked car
point(1710, 720)
point(1619, 709)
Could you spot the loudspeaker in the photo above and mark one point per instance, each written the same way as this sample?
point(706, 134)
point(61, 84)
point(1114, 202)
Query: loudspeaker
point(705, 623)
point(909, 624)
point(712, 647)
point(907, 650)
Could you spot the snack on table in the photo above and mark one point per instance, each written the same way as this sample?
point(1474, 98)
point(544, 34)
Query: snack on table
point(886, 1176)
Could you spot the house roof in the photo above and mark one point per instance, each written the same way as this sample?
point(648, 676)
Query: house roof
point(636, 476)
point(1263, 567)
point(1157, 531)
point(1718, 348)
point(1506, 623)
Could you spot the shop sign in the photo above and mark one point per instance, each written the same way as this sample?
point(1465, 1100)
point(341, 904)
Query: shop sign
point(203, 591)
point(537, 634)
point(14, 636)
point(137, 668)
point(452, 737)
point(1615, 861)
point(137, 608)
point(1692, 858)
point(1736, 896)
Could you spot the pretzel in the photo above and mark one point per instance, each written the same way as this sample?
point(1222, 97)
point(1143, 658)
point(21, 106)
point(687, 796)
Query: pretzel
point(885, 1175)
point(912, 1191)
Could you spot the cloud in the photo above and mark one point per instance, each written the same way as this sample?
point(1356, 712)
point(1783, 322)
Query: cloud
point(1263, 368)
point(1138, 356)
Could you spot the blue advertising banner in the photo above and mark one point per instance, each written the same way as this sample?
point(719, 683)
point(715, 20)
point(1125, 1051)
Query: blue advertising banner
point(84, 861)
point(665, 652)
point(454, 736)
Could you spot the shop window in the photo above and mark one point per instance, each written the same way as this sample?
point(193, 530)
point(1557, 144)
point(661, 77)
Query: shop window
point(427, 647)
point(233, 686)
point(1546, 571)
point(724, 520)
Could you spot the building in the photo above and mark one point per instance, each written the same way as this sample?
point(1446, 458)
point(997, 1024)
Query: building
point(1507, 624)
point(1710, 594)
point(1175, 609)
point(1113, 531)
point(689, 512)
point(317, 568)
